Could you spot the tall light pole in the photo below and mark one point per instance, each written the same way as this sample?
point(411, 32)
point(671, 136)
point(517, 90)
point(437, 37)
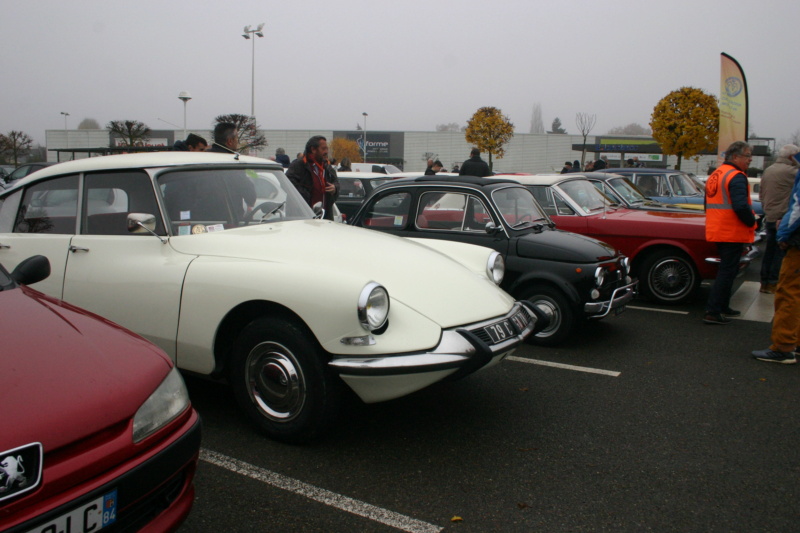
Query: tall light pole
point(246, 35)
point(65, 119)
point(365, 137)
point(185, 96)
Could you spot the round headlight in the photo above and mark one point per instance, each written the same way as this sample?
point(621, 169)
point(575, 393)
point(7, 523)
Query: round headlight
point(496, 267)
point(373, 306)
point(599, 276)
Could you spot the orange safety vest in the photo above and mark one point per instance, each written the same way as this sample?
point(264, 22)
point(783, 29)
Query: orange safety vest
point(722, 224)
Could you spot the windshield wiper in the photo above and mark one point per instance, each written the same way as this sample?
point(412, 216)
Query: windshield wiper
point(278, 208)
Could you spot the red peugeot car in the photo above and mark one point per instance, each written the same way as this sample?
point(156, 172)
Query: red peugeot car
point(98, 431)
point(668, 250)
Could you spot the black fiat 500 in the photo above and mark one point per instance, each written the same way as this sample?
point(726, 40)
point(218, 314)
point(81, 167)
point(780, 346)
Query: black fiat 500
point(567, 276)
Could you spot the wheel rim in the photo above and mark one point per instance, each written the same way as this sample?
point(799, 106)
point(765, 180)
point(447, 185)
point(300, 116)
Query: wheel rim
point(551, 310)
point(671, 278)
point(275, 381)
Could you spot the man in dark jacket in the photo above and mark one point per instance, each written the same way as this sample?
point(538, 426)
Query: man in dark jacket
point(313, 177)
point(282, 158)
point(475, 166)
point(226, 141)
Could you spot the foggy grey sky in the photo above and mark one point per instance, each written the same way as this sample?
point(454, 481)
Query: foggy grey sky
point(410, 64)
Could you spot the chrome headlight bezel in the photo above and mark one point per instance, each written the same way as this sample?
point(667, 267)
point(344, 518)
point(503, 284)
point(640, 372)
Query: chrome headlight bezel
point(599, 276)
point(168, 401)
point(373, 306)
point(496, 268)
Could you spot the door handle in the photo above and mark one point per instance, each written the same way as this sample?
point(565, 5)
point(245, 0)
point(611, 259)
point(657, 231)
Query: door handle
point(77, 249)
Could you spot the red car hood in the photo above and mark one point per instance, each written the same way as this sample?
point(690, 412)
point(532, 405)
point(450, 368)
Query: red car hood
point(68, 374)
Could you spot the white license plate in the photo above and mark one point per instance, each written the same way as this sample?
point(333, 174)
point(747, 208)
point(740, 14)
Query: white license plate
point(93, 516)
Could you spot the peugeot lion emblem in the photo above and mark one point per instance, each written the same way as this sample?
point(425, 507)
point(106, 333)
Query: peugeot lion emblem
point(20, 470)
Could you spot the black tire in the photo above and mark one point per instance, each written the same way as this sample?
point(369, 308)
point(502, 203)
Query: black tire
point(556, 306)
point(668, 277)
point(282, 381)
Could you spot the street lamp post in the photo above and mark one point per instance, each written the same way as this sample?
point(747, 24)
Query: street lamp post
point(185, 96)
point(65, 119)
point(365, 137)
point(246, 35)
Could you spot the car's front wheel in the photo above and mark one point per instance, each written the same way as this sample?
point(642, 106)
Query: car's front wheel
point(668, 277)
point(280, 378)
point(557, 308)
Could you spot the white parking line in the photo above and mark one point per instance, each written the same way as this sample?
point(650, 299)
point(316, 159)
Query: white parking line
point(611, 373)
point(356, 507)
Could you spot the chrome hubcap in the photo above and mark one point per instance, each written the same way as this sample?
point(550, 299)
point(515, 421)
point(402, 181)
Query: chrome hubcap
point(671, 278)
point(275, 381)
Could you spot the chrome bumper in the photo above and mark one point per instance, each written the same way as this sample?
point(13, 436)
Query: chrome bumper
point(461, 351)
point(619, 298)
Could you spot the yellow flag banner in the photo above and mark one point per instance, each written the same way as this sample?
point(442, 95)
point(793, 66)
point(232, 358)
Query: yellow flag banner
point(732, 105)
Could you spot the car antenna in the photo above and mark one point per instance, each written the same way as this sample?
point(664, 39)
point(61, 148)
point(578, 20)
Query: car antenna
point(235, 154)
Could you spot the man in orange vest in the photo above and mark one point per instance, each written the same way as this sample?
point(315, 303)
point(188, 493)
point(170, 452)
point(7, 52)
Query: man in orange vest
point(730, 223)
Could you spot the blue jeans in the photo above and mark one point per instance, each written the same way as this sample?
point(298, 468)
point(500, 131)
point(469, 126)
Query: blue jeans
point(773, 255)
point(730, 253)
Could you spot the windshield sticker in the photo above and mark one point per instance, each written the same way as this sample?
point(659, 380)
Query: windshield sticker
point(214, 227)
point(186, 215)
point(398, 220)
point(184, 230)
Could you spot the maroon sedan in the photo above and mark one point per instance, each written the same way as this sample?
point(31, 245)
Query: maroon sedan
point(668, 250)
point(98, 431)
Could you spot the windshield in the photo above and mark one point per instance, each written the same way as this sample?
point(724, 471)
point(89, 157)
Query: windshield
point(518, 207)
point(682, 185)
point(586, 195)
point(207, 200)
point(627, 190)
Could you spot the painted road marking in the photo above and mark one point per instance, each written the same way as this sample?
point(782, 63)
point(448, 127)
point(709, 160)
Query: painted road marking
point(350, 505)
point(611, 373)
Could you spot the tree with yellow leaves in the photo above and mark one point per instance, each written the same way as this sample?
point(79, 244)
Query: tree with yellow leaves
point(341, 148)
point(685, 123)
point(489, 130)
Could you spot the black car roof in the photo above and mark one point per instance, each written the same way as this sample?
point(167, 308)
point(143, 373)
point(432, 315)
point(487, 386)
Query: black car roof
point(641, 170)
point(472, 180)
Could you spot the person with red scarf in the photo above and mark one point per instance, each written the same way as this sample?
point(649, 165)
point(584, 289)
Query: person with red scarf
point(314, 178)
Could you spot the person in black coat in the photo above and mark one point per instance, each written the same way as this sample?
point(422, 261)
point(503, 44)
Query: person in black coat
point(475, 166)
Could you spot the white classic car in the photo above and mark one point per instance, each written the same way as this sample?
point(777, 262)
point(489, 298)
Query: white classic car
point(283, 305)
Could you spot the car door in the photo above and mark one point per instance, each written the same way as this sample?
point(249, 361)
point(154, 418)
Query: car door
point(40, 219)
point(134, 279)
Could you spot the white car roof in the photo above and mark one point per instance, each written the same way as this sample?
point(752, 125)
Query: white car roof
point(144, 160)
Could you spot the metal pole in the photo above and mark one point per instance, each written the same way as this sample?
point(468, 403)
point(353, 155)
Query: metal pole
point(365, 137)
point(253, 82)
point(184, 118)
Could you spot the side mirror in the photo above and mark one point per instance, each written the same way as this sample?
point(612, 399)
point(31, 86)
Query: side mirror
point(318, 211)
point(141, 223)
point(144, 223)
point(31, 270)
point(491, 228)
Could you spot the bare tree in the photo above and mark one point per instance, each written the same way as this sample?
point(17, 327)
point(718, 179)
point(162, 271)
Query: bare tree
point(132, 132)
point(249, 138)
point(537, 125)
point(452, 126)
point(585, 122)
point(631, 129)
point(15, 146)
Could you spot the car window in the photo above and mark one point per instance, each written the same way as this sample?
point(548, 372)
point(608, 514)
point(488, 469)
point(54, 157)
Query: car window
point(111, 197)
point(49, 207)
point(442, 211)
point(388, 211)
point(518, 207)
point(200, 201)
point(351, 188)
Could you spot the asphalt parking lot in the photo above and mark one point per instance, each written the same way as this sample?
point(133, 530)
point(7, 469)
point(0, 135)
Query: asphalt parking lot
point(650, 421)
